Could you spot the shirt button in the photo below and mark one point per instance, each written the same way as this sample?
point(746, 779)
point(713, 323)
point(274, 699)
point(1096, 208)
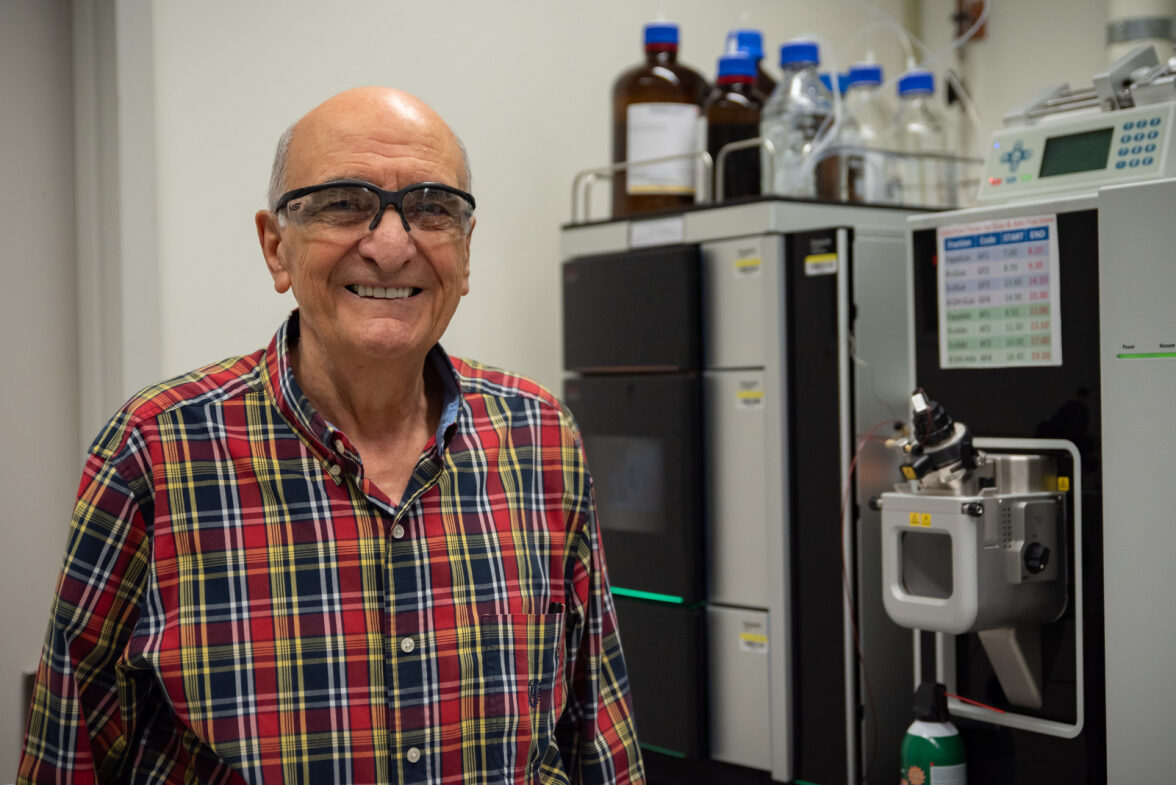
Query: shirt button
point(413, 754)
point(339, 445)
point(397, 531)
point(407, 645)
point(335, 470)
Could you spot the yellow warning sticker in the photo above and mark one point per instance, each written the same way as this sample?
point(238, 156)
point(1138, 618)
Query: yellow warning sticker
point(925, 519)
point(1063, 484)
point(914, 519)
point(749, 395)
point(753, 642)
point(820, 264)
point(748, 263)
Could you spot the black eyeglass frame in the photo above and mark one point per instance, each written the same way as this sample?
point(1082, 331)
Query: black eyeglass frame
point(394, 198)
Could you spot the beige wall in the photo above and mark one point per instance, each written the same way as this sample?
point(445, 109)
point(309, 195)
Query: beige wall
point(38, 337)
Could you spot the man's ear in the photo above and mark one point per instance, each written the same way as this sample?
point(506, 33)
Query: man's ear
point(270, 237)
point(465, 277)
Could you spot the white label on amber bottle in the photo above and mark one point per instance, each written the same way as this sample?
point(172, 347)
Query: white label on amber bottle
point(657, 130)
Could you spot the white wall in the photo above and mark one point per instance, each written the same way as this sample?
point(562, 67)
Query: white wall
point(38, 347)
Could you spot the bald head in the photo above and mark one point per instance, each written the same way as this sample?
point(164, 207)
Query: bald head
point(379, 115)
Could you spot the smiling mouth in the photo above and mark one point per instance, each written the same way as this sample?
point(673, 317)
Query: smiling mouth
point(381, 293)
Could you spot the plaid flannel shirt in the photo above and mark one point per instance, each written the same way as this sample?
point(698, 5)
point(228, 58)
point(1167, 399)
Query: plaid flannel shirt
point(239, 604)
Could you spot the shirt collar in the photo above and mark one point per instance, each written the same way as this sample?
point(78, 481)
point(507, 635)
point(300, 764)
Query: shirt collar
point(297, 409)
point(451, 398)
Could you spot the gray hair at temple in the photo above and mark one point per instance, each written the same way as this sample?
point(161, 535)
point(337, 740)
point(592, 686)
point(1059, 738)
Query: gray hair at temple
point(277, 183)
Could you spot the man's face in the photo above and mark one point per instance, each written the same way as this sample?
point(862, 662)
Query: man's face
point(390, 142)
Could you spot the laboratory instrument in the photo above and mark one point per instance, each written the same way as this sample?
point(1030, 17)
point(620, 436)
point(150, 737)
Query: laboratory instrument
point(1034, 552)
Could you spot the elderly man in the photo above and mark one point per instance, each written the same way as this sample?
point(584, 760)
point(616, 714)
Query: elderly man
point(349, 557)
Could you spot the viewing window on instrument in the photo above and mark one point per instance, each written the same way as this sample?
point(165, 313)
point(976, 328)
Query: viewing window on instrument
point(628, 473)
point(926, 564)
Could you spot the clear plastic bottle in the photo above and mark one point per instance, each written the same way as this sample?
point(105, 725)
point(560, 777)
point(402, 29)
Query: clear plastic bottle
point(864, 121)
point(794, 115)
point(839, 172)
point(847, 152)
point(752, 42)
point(656, 110)
point(733, 114)
point(918, 128)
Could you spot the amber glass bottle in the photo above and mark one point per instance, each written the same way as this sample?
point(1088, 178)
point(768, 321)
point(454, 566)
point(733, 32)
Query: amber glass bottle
point(656, 107)
point(733, 114)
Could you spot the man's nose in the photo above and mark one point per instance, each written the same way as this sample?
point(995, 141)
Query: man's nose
point(388, 242)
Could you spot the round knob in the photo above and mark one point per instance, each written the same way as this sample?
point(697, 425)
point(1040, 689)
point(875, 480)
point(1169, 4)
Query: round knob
point(1036, 557)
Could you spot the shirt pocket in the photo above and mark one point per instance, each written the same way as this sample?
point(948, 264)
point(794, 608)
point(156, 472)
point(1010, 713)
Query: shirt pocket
point(522, 665)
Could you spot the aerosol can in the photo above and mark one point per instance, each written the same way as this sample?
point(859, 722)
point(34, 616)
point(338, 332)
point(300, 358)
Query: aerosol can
point(932, 751)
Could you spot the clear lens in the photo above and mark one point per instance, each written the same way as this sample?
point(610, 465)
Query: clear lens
point(346, 205)
point(432, 209)
point(342, 210)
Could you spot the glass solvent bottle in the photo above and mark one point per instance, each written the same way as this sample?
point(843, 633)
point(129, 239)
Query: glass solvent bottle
point(656, 110)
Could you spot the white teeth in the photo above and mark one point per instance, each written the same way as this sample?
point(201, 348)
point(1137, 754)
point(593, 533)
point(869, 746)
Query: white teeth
point(381, 292)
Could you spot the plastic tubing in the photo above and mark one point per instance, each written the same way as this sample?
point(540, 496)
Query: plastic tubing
point(929, 59)
point(904, 37)
point(965, 99)
point(827, 135)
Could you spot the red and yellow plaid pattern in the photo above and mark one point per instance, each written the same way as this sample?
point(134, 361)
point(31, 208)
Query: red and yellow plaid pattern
point(239, 604)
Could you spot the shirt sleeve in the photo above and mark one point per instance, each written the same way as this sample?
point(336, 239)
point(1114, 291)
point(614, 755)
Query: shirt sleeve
point(78, 727)
point(596, 733)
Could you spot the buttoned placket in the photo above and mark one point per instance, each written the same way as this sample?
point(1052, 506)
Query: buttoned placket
point(404, 651)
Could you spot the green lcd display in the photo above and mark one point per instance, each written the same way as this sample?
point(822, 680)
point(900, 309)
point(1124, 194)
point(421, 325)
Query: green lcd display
point(1082, 152)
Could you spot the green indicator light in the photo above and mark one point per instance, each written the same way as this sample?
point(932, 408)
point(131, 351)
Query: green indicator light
point(648, 595)
point(1026, 177)
point(1147, 356)
point(662, 750)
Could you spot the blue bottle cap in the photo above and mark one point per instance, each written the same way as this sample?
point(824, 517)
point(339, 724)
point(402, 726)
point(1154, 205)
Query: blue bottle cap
point(661, 33)
point(736, 64)
point(826, 80)
point(799, 51)
point(750, 41)
point(868, 74)
point(842, 83)
point(918, 80)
